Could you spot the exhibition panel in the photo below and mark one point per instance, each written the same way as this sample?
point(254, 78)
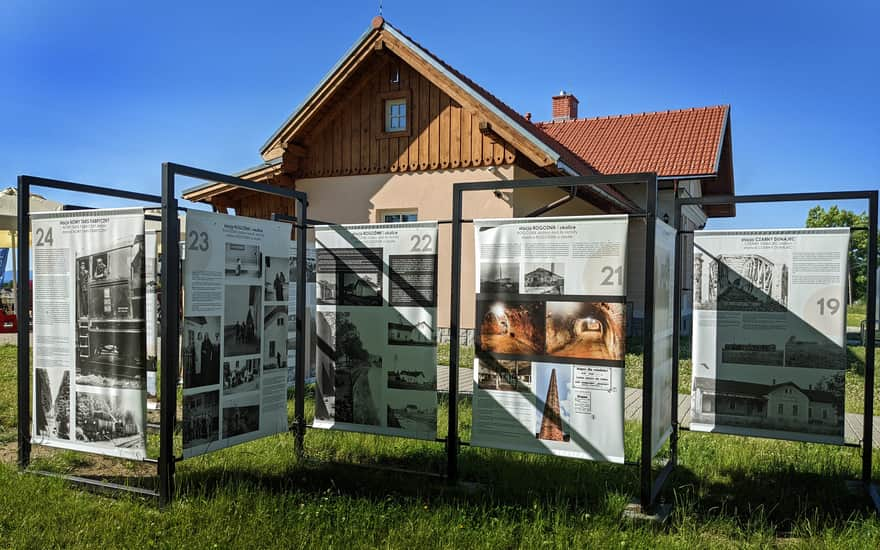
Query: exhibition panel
point(664, 322)
point(310, 331)
point(376, 327)
point(551, 335)
point(769, 338)
point(152, 312)
point(89, 331)
point(234, 346)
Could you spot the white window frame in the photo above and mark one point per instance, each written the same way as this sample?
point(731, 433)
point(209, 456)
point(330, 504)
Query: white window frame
point(399, 117)
point(385, 214)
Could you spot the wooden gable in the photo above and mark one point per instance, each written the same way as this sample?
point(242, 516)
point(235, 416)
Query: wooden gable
point(348, 134)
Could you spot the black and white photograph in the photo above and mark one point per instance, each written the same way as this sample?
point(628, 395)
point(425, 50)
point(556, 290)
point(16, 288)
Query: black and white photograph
point(242, 263)
point(499, 278)
point(403, 332)
point(544, 278)
point(241, 375)
point(791, 401)
point(242, 318)
point(110, 420)
point(52, 418)
point(357, 373)
point(412, 376)
point(326, 290)
point(740, 282)
point(277, 282)
point(110, 326)
point(363, 288)
point(240, 419)
point(201, 418)
point(275, 336)
point(311, 263)
point(325, 387)
point(200, 351)
point(504, 374)
point(411, 411)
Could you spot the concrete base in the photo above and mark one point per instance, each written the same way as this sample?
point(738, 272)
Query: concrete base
point(660, 514)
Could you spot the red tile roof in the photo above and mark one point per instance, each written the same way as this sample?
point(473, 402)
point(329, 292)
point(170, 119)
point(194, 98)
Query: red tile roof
point(671, 143)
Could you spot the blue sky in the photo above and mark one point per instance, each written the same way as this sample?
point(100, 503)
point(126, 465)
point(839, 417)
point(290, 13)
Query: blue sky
point(103, 92)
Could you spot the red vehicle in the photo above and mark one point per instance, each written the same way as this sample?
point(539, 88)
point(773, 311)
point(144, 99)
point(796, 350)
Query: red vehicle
point(8, 321)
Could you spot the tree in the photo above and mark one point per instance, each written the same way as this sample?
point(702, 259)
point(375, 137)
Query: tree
point(858, 243)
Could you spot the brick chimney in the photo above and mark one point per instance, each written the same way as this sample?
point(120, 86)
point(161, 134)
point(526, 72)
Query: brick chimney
point(565, 106)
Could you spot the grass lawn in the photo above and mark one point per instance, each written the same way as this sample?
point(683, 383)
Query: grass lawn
point(729, 492)
point(855, 314)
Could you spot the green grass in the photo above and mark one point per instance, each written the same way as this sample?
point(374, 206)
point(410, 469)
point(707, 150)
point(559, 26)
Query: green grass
point(855, 314)
point(729, 492)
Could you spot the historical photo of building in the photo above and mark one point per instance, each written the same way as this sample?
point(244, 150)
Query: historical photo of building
point(781, 405)
point(277, 282)
point(201, 418)
point(243, 263)
point(403, 379)
point(327, 290)
point(200, 351)
point(544, 278)
point(275, 335)
point(499, 278)
point(241, 375)
point(242, 316)
point(238, 420)
point(110, 420)
point(363, 288)
point(110, 324)
point(739, 282)
point(293, 271)
point(553, 389)
point(411, 411)
point(586, 330)
point(402, 332)
point(511, 327)
point(52, 418)
point(504, 374)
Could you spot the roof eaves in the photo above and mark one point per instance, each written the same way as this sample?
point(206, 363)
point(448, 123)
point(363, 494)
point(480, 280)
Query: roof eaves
point(724, 124)
point(546, 149)
point(317, 88)
point(274, 162)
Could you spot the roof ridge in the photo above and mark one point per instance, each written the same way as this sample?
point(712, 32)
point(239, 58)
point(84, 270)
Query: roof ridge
point(630, 115)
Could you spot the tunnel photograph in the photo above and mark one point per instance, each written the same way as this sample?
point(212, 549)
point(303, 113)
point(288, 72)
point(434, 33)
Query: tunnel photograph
point(514, 328)
point(586, 330)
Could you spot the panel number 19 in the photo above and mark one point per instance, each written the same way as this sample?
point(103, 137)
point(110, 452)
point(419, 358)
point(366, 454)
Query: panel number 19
point(831, 305)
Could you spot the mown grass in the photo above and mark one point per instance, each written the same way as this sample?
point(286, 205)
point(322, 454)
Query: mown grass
point(855, 314)
point(729, 492)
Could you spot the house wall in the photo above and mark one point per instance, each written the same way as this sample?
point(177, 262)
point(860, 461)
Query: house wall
point(788, 397)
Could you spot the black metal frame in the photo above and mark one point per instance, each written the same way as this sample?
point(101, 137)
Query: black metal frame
point(866, 444)
point(23, 308)
point(170, 325)
point(649, 486)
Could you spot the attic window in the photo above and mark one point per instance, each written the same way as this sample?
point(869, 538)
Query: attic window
point(395, 115)
point(396, 112)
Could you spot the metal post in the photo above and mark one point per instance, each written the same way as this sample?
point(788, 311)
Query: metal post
point(299, 405)
point(452, 443)
point(170, 330)
point(676, 331)
point(870, 341)
point(22, 311)
point(648, 346)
